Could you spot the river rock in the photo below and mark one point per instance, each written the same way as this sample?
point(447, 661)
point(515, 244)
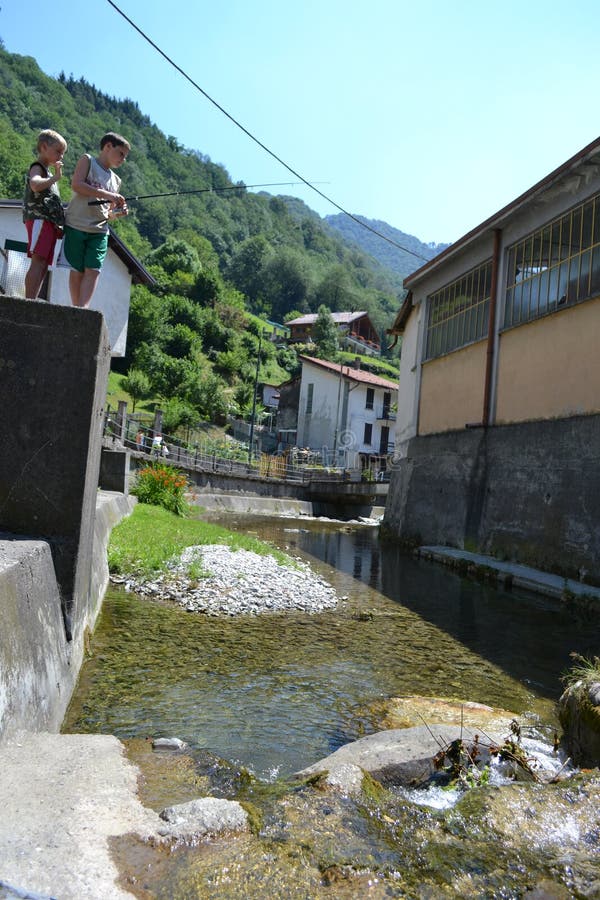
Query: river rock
point(400, 756)
point(168, 744)
point(346, 779)
point(408, 712)
point(579, 717)
point(206, 815)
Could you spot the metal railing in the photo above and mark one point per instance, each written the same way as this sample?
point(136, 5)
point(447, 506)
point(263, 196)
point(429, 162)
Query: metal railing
point(295, 465)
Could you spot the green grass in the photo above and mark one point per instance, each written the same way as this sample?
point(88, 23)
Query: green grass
point(583, 669)
point(144, 542)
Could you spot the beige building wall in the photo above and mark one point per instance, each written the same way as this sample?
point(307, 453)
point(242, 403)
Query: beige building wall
point(551, 367)
point(452, 390)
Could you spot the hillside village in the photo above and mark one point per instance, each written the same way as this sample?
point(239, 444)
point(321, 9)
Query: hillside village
point(444, 411)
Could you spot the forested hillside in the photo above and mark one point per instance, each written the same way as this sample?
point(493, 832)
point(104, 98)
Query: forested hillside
point(219, 258)
point(401, 262)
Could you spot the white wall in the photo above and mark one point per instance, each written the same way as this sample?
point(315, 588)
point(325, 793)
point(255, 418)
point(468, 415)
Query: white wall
point(112, 293)
point(318, 431)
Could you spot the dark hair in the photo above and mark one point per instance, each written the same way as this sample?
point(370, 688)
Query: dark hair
point(117, 140)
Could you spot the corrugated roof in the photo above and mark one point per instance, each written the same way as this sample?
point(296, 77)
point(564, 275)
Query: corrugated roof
point(350, 372)
point(341, 318)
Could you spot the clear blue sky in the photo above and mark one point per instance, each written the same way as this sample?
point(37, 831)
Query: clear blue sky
point(429, 115)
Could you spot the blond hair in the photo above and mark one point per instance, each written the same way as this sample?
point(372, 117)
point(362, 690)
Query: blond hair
point(50, 137)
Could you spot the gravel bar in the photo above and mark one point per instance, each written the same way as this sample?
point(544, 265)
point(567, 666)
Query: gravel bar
point(236, 582)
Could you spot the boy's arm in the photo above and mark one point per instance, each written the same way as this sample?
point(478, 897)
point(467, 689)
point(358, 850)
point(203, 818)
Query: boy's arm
point(81, 187)
point(38, 181)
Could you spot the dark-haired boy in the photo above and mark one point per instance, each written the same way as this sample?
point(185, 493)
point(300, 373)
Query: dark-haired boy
point(86, 231)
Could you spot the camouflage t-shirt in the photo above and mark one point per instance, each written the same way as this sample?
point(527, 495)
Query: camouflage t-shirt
point(44, 204)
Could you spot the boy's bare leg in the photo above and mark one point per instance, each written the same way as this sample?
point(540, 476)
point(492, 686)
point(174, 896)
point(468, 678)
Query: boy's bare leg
point(35, 276)
point(82, 286)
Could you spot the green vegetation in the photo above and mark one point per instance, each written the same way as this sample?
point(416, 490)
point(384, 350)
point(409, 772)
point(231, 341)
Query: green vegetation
point(224, 263)
point(143, 543)
point(162, 485)
point(584, 670)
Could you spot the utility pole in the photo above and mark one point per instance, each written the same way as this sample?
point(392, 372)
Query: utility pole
point(260, 334)
point(337, 416)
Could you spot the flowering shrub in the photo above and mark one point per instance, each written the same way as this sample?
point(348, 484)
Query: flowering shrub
point(162, 485)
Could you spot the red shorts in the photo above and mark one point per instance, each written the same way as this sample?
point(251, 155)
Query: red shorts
point(42, 237)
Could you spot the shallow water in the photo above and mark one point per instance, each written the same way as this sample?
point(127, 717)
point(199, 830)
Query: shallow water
point(276, 693)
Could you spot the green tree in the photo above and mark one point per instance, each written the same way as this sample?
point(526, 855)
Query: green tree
point(245, 268)
point(137, 384)
point(325, 334)
point(286, 282)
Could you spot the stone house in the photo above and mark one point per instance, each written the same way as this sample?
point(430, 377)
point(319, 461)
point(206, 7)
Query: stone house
point(121, 269)
point(498, 430)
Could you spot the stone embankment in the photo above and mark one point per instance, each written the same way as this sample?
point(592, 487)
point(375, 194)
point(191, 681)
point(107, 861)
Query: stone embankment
point(219, 581)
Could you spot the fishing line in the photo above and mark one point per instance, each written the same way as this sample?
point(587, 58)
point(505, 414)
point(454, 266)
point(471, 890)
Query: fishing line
point(213, 190)
point(260, 143)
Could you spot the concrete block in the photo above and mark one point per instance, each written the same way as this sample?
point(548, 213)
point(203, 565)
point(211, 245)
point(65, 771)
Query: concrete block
point(54, 363)
point(114, 470)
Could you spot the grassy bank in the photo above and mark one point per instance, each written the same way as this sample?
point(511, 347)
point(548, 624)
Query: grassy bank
point(143, 543)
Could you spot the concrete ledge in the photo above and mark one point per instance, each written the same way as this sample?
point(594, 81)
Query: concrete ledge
point(35, 678)
point(63, 798)
point(513, 573)
point(38, 666)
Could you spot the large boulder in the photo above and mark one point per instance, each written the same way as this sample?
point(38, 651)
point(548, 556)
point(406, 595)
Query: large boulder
point(204, 816)
point(408, 712)
point(579, 715)
point(400, 756)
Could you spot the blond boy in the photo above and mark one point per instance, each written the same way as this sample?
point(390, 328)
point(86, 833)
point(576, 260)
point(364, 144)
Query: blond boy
point(43, 213)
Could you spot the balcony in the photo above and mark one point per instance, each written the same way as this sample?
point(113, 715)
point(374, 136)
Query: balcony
point(386, 414)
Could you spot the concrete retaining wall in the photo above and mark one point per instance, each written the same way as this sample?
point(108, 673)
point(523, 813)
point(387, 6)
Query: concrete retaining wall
point(38, 667)
point(527, 492)
point(54, 364)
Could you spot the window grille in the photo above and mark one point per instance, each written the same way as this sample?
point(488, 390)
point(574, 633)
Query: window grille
point(309, 399)
point(554, 266)
point(458, 313)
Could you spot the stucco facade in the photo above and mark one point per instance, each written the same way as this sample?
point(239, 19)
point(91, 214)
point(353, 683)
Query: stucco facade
point(345, 414)
point(500, 355)
point(544, 367)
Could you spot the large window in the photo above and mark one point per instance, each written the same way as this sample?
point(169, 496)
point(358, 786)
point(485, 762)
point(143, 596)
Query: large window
point(458, 313)
point(557, 265)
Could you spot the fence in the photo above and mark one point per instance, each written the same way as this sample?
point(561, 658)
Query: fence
point(296, 466)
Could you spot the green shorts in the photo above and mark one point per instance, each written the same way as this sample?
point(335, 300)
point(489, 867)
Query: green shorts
point(83, 250)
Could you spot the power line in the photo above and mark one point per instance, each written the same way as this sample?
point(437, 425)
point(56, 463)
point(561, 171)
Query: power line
point(257, 141)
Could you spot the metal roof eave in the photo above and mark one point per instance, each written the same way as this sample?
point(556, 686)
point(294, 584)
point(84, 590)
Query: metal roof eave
point(583, 156)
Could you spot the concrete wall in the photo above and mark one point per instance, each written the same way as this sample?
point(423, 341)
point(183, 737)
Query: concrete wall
point(528, 492)
point(38, 667)
point(54, 362)
point(54, 526)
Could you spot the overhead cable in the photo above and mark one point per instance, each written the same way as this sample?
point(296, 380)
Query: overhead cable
point(259, 142)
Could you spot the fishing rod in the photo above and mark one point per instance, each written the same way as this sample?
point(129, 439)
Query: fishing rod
point(234, 187)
